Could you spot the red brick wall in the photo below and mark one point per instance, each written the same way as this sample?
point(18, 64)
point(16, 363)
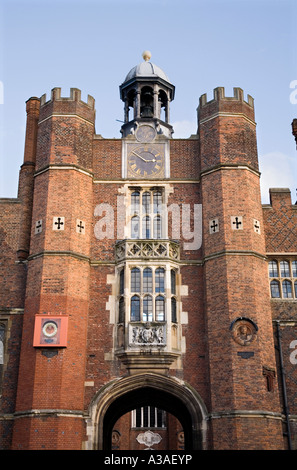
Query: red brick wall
point(235, 274)
point(184, 159)
point(12, 291)
point(58, 279)
point(107, 158)
point(67, 273)
point(280, 221)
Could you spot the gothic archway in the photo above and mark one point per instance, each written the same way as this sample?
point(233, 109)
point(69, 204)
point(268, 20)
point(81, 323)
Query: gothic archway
point(122, 395)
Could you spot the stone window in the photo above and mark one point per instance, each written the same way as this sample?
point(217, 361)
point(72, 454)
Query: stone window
point(147, 280)
point(135, 229)
point(135, 280)
point(122, 281)
point(173, 281)
point(173, 295)
point(148, 417)
point(273, 269)
point(147, 294)
point(160, 308)
point(121, 310)
point(287, 289)
point(173, 310)
point(284, 269)
point(146, 214)
point(147, 314)
point(159, 280)
point(148, 305)
point(283, 275)
point(275, 289)
point(135, 308)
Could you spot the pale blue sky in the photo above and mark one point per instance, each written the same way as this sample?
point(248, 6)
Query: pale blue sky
point(92, 44)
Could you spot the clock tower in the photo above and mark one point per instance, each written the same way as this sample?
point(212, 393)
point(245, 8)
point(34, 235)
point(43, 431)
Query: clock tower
point(147, 93)
point(148, 336)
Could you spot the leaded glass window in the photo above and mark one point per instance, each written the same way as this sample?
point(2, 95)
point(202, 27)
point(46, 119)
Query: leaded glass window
point(147, 280)
point(274, 289)
point(280, 287)
point(287, 289)
point(135, 308)
point(135, 280)
point(146, 214)
point(159, 280)
point(273, 269)
point(147, 308)
point(284, 269)
point(173, 310)
point(160, 308)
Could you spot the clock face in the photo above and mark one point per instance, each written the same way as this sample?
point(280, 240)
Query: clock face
point(145, 161)
point(50, 328)
point(145, 133)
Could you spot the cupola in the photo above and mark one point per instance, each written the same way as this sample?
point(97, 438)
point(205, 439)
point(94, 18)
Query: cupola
point(146, 93)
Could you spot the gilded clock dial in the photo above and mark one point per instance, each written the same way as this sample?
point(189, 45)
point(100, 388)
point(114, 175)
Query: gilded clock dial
point(145, 161)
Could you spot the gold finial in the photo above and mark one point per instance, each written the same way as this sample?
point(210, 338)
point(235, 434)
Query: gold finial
point(146, 55)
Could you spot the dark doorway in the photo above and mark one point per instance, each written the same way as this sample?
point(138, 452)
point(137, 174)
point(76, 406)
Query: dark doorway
point(153, 397)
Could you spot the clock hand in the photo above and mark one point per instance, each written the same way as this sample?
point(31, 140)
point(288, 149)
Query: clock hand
point(140, 156)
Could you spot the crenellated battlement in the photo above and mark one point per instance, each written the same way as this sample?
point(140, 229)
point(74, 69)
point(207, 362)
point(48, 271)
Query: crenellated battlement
point(229, 105)
point(71, 105)
point(75, 95)
point(219, 94)
point(226, 128)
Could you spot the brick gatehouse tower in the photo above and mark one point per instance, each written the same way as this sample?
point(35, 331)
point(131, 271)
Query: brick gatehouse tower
point(148, 298)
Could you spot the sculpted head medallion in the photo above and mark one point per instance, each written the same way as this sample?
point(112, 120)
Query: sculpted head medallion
point(243, 331)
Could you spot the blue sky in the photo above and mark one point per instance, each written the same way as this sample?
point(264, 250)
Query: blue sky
point(92, 44)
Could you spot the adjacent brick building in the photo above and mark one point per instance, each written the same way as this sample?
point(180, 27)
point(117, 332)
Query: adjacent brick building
point(148, 299)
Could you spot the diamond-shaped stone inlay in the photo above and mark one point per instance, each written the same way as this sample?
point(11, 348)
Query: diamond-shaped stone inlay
point(135, 249)
point(147, 249)
point(161, 249)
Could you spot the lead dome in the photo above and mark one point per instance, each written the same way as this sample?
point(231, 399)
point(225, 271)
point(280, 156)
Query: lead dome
point(146, 69)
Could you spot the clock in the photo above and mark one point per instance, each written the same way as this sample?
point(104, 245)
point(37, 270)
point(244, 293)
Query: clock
point(145, 133)
point(50, 331)
point(50, 328)
point(145, 161)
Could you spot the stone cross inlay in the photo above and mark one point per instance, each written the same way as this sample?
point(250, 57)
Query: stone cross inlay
point(80, 226)
point(236, 223)
point(213, 226)
point(58, 223)
point(256, 226)
point(38, 226)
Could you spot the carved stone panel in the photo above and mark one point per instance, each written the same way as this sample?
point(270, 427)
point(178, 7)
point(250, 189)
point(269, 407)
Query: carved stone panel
point(152, 334)
point(149, 438)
